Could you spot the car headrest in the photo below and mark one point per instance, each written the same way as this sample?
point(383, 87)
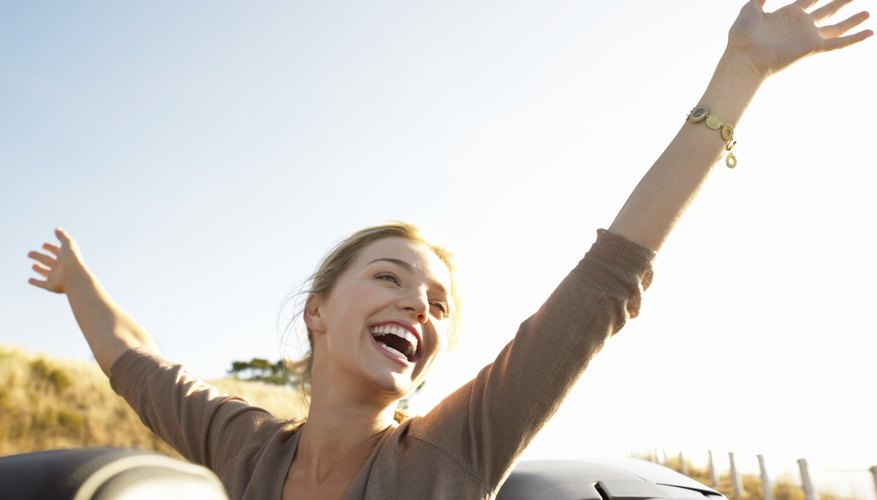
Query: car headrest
point(105, 474)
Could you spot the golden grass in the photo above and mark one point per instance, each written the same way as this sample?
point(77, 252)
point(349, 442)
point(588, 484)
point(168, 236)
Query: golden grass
point(48, 403)
point(783, 487)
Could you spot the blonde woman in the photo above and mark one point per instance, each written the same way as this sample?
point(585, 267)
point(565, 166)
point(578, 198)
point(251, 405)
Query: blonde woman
point(382, 307)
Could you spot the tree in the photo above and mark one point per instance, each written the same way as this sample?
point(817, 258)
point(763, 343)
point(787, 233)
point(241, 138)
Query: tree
point(262, 370)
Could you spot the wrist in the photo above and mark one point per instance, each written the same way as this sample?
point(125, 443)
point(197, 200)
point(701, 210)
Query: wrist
point(741, 61)
point(735, 82)
point(78, 279)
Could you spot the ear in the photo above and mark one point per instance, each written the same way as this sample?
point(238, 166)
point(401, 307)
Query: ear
point(313, 314)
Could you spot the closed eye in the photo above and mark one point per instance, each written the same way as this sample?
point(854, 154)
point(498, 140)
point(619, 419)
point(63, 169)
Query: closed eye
point(442, 306)
point(392, 278)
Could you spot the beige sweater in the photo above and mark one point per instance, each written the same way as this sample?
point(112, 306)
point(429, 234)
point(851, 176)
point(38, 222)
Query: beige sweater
point(463, 449)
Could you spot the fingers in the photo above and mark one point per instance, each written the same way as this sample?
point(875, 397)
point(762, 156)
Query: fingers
point(804, 4)
point(39, 284)
point(42, 259)
point(53, 249)
point(42, 271)
point(836, 30)
point(47, 263)
point(845, 41)
point(755, 5)
point(44, 284)
point(829, 9)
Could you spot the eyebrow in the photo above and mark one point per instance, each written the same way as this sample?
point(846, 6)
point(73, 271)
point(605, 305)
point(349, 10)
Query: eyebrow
point(408, 267)
point(401, 263)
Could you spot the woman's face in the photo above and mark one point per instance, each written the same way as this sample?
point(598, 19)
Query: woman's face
point(385, 320)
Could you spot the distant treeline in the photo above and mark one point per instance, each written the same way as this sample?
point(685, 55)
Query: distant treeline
point(262, 370)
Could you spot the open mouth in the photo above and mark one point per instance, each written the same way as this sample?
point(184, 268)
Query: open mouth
point(396, 340)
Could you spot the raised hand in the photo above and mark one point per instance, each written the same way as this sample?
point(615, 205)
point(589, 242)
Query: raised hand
point(59, 266)
point(774, 40)
point(107, 328)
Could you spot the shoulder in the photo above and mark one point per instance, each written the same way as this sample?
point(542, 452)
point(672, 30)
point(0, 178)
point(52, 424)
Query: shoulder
point(259, 464)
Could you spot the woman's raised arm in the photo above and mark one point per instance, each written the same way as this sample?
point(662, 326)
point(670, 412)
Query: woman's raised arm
point(107, 328)
point(759, 44)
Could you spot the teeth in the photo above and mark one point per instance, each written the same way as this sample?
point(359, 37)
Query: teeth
point(392, 351)
point(397, 331)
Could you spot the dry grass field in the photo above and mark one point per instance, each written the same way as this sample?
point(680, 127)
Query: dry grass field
point(48, 403)
point(784, 488)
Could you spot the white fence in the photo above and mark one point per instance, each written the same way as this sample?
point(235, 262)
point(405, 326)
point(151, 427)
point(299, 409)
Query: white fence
point(838, 484)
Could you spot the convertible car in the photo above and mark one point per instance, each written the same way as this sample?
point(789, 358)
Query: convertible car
point(123, 474)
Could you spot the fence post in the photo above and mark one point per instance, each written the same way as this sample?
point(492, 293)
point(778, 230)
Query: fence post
point(765, 479)
point(682, 468)
point(806, 484)
point(874, 475)
point(735, 477)
point(713, 470)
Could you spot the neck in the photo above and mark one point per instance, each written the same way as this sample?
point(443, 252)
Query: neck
point(340, 432)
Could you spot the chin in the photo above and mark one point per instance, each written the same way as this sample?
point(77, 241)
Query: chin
point(395, 385)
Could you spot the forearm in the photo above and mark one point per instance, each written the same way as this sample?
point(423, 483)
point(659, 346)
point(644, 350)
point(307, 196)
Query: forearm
point(108, 330)
point(672, 183)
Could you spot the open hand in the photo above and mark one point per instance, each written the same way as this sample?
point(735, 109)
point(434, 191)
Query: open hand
point(774, 40)
point(60, 266)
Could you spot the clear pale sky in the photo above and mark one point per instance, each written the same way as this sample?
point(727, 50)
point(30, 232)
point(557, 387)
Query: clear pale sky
point(206, 154)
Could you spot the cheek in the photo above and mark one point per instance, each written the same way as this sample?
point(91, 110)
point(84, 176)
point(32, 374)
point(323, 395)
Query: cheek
point(441, 338)
point(345, 304)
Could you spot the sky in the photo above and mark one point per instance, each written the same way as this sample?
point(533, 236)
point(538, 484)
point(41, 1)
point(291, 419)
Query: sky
point(205, 156)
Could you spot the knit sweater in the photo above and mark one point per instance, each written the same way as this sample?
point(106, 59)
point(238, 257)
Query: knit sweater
point(464, 448)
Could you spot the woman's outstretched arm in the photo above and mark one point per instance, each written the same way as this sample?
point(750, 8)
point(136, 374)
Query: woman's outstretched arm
point(107, 328)
point(759, 45)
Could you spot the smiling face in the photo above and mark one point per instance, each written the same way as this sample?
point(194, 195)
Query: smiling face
point(384, 322)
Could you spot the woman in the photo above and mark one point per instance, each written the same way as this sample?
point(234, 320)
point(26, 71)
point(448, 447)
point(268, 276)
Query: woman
point(382, 307)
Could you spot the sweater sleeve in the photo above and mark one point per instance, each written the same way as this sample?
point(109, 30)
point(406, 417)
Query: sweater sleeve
point(487, 423)
point(193, 417)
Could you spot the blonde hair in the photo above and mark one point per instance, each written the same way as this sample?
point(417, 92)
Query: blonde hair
point(336, 262)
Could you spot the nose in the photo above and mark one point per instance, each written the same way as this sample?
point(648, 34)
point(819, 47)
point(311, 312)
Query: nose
point(416, 303)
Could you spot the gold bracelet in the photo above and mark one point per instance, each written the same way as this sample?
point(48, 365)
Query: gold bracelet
point(701, 113)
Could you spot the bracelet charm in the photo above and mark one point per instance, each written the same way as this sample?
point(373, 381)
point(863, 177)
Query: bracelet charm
point(726, 130)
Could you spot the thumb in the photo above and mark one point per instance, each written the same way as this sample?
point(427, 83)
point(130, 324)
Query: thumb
point(62, 235)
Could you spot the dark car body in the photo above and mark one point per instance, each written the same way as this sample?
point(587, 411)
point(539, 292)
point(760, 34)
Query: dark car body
point(600, 479)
